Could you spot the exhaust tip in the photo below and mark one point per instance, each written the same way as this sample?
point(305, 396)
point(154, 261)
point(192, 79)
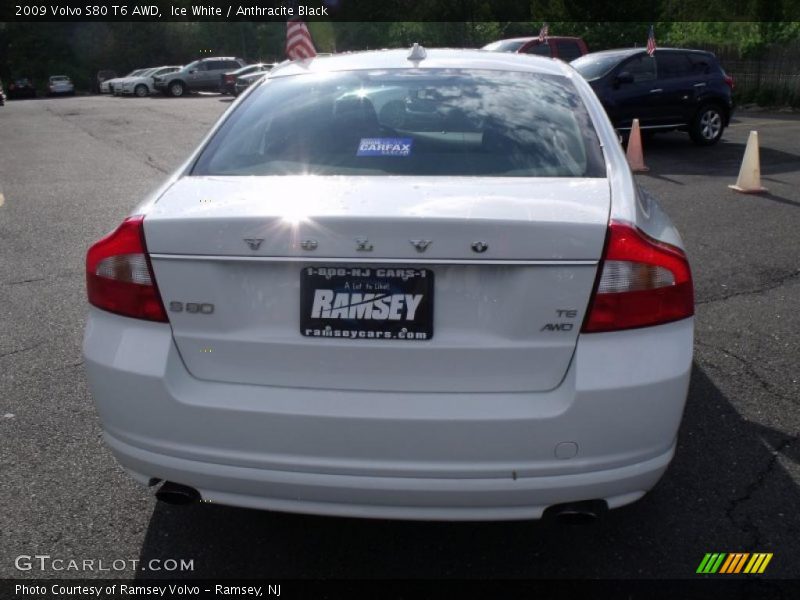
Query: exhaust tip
point(577, 513)
point(177, 494)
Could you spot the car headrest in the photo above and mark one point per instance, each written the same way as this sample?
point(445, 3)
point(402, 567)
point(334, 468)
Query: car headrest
point(353, 111)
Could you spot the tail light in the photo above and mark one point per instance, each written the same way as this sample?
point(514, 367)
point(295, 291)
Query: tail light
point(119, 276)
point(641, 282)
point(729, 80)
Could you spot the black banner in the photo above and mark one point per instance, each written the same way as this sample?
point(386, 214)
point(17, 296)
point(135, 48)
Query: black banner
point(400, 10)
point(729, 588)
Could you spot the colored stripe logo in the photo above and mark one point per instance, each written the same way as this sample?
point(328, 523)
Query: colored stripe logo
point(734, 562)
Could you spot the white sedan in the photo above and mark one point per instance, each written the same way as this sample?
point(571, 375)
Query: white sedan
point(142, 85)
point(414, 285)
point(60, 85)
point(107, 86)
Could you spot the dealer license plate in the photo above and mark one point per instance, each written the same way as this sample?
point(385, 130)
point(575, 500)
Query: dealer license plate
point(367, 303)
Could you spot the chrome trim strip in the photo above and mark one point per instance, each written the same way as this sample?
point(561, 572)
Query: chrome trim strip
point(653, 126)
point(371, 260)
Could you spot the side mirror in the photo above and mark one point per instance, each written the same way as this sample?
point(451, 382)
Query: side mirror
point(624, 77)
point(192, 71)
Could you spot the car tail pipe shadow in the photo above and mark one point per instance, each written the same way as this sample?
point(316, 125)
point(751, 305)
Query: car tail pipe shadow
point(577, 513)
point(177, 494)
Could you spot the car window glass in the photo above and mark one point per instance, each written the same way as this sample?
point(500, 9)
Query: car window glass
point(231, 64)
point(201, 66)
point(404, 122)
point(642, 68)
point(594, 66)
point(568, 49)
point(700, 64)
point(538, 49)
point(504, 46)
point(672, 65)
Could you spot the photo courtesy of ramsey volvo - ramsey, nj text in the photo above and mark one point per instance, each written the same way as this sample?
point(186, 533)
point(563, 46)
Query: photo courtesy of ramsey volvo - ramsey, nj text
point(143, 591)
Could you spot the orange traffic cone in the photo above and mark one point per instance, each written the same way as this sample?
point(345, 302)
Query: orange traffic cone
point(749, 181)
point(634, 153)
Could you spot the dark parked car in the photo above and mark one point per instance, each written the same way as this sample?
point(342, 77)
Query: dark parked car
point(227, 81)
point(201, 75)
point(565, 48)
point(21, 88)
point(678, 89)
point(245, 81)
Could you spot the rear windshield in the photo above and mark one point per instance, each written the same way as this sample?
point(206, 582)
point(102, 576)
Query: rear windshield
point(408, 122)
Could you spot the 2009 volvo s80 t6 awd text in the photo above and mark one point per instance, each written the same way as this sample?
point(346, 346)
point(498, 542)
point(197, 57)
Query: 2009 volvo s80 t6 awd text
point(388, 284)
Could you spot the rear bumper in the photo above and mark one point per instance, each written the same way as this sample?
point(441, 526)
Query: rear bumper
point(607, 432)
point(423, 498)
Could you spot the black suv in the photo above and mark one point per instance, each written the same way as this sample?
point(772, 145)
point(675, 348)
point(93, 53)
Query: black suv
point(674, 89)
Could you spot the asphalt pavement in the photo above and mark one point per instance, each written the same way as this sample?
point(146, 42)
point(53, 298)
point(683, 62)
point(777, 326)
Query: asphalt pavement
point(72, 168)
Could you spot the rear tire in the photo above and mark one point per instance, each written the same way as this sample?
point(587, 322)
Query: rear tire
point(140, 90)
point(177, 89)
point(707, 125)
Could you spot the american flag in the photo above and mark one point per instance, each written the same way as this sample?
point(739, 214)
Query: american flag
point(651, 41)
point(298, 41)
point(544, 32)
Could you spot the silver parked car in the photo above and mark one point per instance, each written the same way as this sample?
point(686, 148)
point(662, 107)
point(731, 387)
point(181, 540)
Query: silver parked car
point(200, 75)
point(60, 85)
point(414, 285)
point(142, 85)
point(108, 86)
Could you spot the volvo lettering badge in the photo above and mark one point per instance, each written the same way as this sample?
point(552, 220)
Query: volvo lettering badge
point(480, 247)
point(420, 245)
point(363, 245)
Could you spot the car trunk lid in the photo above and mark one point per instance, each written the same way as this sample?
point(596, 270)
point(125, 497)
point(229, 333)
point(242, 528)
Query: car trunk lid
point(512, 263)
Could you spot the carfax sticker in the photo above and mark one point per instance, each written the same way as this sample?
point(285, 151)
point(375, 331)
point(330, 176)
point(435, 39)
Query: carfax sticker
point(384, 147)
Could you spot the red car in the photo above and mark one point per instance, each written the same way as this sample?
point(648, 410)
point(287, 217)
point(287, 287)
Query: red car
point(565, 48)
